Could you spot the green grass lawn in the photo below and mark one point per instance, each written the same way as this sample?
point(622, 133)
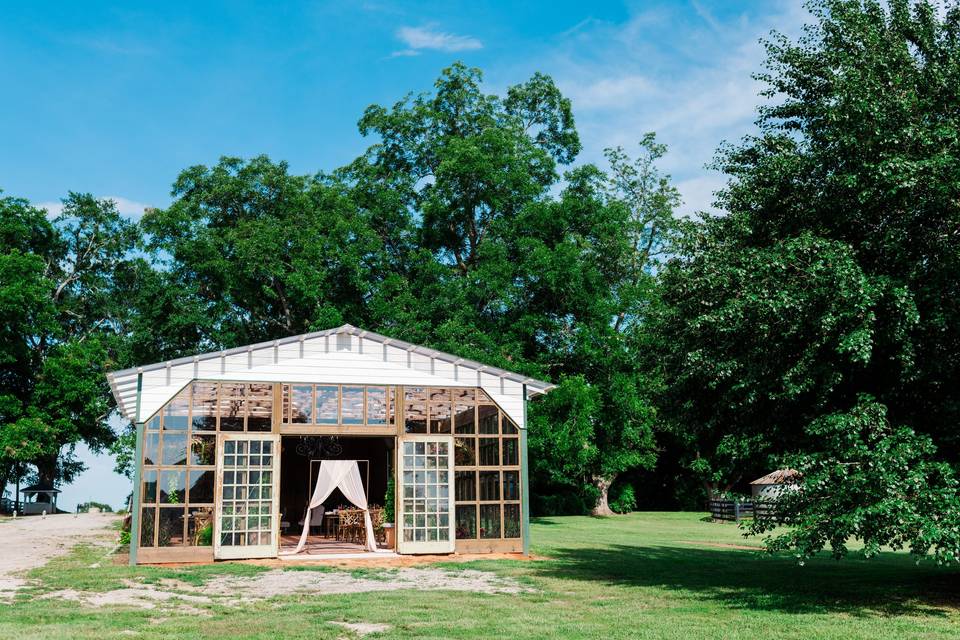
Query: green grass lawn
point(650, 575)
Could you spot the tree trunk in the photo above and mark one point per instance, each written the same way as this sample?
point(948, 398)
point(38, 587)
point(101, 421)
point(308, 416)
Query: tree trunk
point(602, 507)
point(47, 471)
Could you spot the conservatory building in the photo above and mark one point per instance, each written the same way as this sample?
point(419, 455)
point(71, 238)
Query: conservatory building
point(334, 442)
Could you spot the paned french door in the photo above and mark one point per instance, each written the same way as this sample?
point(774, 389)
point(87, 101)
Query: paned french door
point(425, 475)
point(248, 476)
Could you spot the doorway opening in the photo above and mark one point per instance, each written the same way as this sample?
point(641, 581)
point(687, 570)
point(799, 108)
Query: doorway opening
point(337, 527)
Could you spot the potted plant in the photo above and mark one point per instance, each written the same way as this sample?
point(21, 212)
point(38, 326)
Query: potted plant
point(389, 530)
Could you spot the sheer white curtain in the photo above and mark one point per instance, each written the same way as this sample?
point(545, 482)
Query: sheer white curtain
point(345, 475)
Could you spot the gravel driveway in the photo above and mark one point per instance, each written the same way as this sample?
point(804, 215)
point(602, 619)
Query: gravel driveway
point(31, 541)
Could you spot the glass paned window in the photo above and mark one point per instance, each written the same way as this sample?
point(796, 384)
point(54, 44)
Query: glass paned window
point(285, 403)
point(415, 410)
point(489, 485)
point(487, 418)
point(153, 424)
point(232, 406)
point(482, 397)
point(464, 452)
point(149, 486)
point(440, 417)
point(511, 521)
point(490, 521)
point(204, 406)
point(351, 405)
point(201, 486)
point(174, 449)
point(170, 526)
point(260, 407)
point(465, 485)
point(246, 496)
point(489, 452)
point(200, 526)
point(151, 448)
point(176, 411)
point(376, 405)
point(391, 405)
point(511, 452)
point(466, 521)
point(328, 403)
point(301, 404)
point(511, 485)
point(464, 418)
point(173, 487)
point(147, 521)
point(509, 427)
point(203, 449)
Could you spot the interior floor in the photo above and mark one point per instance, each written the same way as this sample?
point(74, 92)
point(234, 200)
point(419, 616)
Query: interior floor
point(299, 466)
point(317, 545)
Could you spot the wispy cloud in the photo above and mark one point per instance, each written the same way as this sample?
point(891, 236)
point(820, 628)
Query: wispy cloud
point(686, 77)
point(615, 92)
point(125, 206)
point(428, 37)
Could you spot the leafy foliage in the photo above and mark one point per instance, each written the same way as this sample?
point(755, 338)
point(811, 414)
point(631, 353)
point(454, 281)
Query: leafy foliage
point(822, 303)
point(60, 311)
point(871, 482)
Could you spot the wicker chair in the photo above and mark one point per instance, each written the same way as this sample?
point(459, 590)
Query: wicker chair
point(350, 524)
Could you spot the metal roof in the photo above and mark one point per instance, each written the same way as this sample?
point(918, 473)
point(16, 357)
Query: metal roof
point(123, 383)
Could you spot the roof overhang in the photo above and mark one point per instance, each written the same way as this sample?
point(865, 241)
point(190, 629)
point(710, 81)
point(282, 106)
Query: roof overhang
point(303, 358)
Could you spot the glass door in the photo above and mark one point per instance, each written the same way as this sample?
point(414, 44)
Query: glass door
point(425, 466)
point(248, 476)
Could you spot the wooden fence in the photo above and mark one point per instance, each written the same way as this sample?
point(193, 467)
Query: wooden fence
point(736, 510)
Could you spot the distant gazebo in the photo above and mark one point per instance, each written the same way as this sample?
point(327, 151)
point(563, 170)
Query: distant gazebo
point(38, 499)
point(774, 484)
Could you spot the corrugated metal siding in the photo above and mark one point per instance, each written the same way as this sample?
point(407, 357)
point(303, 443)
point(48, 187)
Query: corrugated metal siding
point(344, 355)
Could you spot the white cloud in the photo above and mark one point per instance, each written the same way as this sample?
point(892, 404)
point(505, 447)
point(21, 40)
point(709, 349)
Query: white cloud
point(686, 76)
point(428, 37)
point(126, 207)
point(610, 92)
point(53, 208)
point(129, 208)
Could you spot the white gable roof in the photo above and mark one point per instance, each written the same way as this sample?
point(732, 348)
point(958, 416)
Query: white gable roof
point(345, 355)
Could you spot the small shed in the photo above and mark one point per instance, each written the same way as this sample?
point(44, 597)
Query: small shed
point(774, 484)
point(38, 499)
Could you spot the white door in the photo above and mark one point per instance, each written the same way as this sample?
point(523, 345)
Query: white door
point(425, 474)
point(247, 523)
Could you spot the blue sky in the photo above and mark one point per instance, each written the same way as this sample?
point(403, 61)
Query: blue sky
point(115, 99)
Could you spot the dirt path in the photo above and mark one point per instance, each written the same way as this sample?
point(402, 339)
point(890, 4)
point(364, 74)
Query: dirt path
point(32, 541)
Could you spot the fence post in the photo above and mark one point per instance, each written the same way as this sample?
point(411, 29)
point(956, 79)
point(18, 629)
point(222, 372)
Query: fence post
point(736, 510)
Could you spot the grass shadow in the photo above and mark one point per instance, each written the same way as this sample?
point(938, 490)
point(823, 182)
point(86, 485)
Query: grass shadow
point(751, 580)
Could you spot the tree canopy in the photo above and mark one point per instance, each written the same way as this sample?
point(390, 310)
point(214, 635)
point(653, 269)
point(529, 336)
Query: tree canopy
point(815, 323)
point(60, 317)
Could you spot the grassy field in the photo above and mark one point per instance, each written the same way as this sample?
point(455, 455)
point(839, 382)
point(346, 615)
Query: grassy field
point(652, 575)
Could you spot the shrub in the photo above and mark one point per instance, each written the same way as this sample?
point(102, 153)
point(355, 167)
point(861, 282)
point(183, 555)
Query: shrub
point(205, 538)
point(388, 501)
point(84, 507)
point(622, 498)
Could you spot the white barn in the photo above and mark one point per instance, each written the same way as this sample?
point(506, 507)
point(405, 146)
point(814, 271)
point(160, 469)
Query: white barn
point(232, 446)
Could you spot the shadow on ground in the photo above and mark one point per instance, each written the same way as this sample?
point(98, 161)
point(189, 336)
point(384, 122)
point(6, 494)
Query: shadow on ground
point(891, 585)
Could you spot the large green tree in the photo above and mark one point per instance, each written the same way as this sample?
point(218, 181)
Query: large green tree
point(817, 322)
point(455, 229)
point(547, 284)
point(60, 310)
